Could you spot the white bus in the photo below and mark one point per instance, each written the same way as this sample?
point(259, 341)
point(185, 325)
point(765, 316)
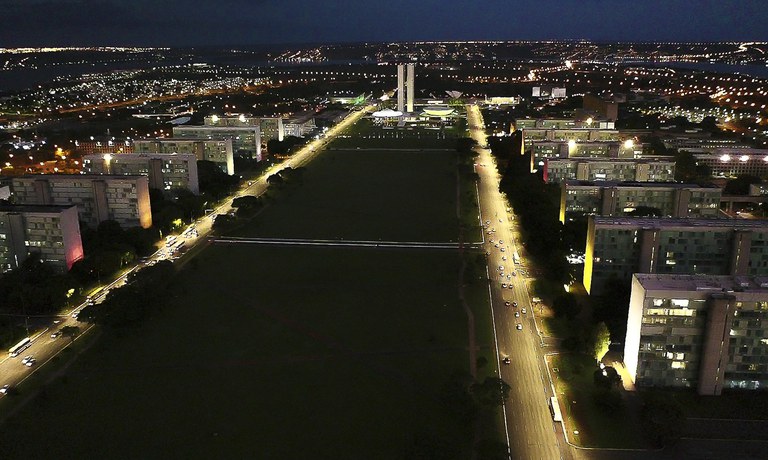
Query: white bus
point(554, 408)
point(19, 347)
point(516, 259)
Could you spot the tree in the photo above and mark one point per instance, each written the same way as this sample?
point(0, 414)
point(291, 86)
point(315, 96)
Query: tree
point(70, 331)
point(600, 341)
point(493, 391)
point(566, 305)
point(740, 185)
point(685, 167)
point(645, 211)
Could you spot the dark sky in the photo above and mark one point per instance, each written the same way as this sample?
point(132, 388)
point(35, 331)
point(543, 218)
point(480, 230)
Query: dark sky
point(232, 22)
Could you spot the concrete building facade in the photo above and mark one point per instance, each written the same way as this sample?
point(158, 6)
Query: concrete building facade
point(53, 232)
point(124, 199)
point(733, 162)
point(657, 169)
point(610, 199)
point(219, 152)
point(695, 331)
point(166, 171)
point(618, 247)
point(246, 140)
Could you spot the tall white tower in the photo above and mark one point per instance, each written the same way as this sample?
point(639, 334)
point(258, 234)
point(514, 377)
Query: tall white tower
point(401, 87)
point(411, 78)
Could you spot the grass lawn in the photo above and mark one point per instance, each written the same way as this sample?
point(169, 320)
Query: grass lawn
point(288, 352)
point(597, 428)
point(367, 195)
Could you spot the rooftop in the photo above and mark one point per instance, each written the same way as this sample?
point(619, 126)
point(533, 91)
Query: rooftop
point(657, 159)
point(683, 223)
point(635, 184)
point(35, 208)
point(710, 283)
point(80, 176)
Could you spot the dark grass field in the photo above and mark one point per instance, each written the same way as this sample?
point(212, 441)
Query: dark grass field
point(289, 352)
point(367, 195)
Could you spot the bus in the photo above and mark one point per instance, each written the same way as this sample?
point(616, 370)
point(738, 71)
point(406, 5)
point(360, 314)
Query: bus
point(554, 408)
point(516, 259)
point(19, 347)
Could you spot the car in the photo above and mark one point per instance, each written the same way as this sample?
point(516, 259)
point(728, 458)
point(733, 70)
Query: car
point(519, 327)
point(490, 240)
point(502, 249)
point(510, 285)
point(517, 314)
point(514, 273)
point(506, 303)
point(509, 277)
point(503, 285)
point(496, 245)
point(501, 242)
point(490, 232)
point(31, 362)
point(75, 313)
point(493, 230)
point(501, 268)
point(524, 311)
point(27, 359)
point(5, 389)
point(506, 360)
point(500, 221)
point(487, 222)
point(56, 335)
point(504, 258)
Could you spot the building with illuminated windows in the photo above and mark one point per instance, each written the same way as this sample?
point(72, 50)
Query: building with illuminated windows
point(165, 171)
point(53, 232)
point(698, 331)
point(124, 199)
point(609, 199)
point(219, 152)
point(733, 162)
point(618, 247)
point(653, 169)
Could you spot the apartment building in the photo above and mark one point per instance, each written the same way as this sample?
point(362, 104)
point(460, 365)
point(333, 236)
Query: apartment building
point(618, 247)
point(124, 199)
point(733, 162)
point(605, 198)
point(219, 152)
point(53, 232)
point(698, 331)
point(166, 171)
point(656, 169)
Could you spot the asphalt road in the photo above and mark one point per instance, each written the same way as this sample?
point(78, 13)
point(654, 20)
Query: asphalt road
point(43, 348)
point(531, 431)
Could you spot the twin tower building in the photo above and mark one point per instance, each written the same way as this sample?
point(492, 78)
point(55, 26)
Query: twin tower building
point(405, 88)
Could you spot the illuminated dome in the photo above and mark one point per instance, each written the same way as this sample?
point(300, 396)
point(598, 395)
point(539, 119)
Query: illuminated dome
point(438, 110)
point(387, 113)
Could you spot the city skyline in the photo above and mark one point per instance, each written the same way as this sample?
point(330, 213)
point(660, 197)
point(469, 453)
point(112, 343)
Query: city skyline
point(237, 22)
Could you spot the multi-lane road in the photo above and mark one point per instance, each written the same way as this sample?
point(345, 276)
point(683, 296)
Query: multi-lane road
point(44, 347)
point(530, 429)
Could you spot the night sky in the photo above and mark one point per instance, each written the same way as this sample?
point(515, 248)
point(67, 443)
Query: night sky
point(244, 22)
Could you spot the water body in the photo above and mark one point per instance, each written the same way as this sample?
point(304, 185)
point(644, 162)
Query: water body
point(717, 67)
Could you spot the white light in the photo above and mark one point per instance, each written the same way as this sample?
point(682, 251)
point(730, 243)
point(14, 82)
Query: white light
point(744, 158)
point(629, 143)
point(725, 158)
point(571, 144)
point(108, 157)
point(215, 118)
point(241, 118)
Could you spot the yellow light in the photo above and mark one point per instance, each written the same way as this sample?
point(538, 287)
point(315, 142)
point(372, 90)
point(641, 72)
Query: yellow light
point(571, 144)
point(629, 143)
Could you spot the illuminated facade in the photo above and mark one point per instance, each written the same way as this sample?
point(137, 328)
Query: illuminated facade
point(246, 140)
point(219, 152)
point(166, 171)
point(124, 199)
point(611, 199)
point(53, 232)
point(618, 247)
point(269, 127)
point(703, 332)
point(657, 169)
point(733, 162)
